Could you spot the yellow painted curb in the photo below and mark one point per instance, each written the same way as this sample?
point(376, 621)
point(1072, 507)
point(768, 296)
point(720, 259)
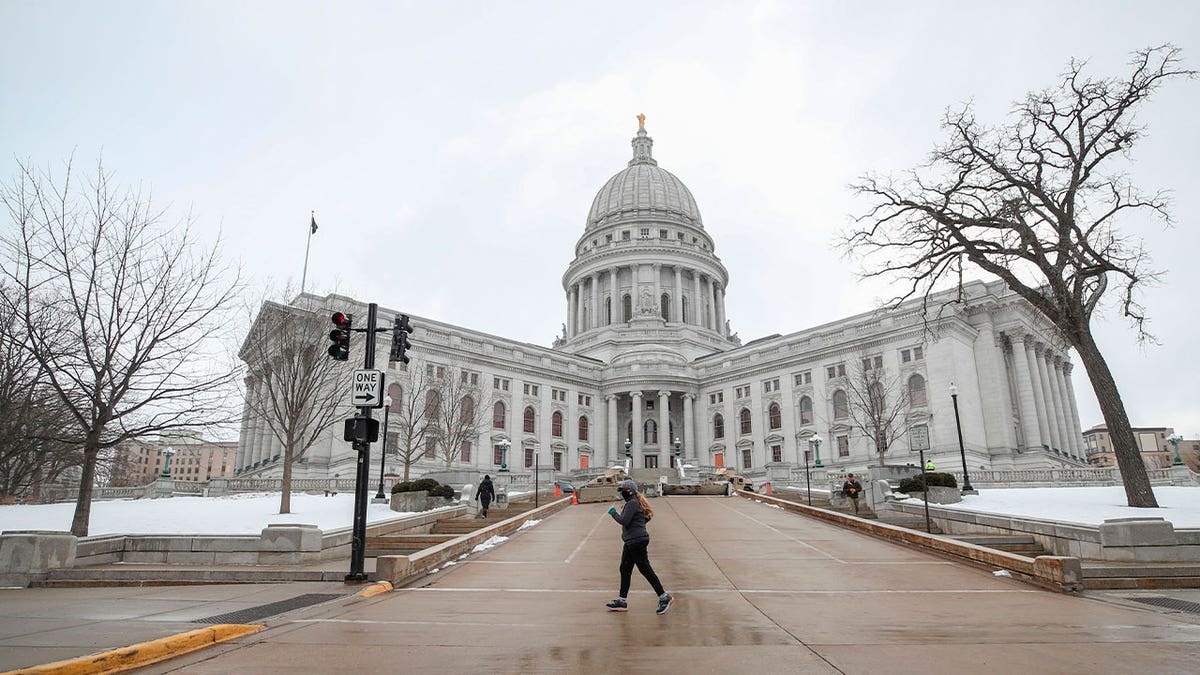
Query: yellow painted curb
point(142, 654)
point(375, 589)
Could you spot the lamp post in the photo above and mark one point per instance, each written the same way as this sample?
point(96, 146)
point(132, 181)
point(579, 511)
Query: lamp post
point(628, 456)
point(167, 452)
point(919, 441)
point(807, 477)
point(678, 452)
point(387, 408)
point(1174, 439)
point(504, 446)
point(816, 441)
point(966, 486)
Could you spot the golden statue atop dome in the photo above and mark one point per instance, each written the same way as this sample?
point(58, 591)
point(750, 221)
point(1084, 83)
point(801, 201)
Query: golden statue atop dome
point(641, 122)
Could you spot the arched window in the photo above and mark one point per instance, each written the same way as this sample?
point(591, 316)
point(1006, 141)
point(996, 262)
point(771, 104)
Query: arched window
point(498, 415)
point(744, 418)
point(916, 390)
point(397, 394)
point(718, 426)
point(650, 436)
point(665, 303)
point(433, 404)
point(627, 308)
point(466, 412)
point(583, 428)
point(529, 426)
point(556, 424)
point(608, 310)
point(806, 416)
point(776, 420)
point(841, 409)
point(685, 310)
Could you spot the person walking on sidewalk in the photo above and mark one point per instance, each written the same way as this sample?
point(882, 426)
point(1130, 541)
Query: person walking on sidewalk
point(852, 490)
point(633, 517)
point(485, 494)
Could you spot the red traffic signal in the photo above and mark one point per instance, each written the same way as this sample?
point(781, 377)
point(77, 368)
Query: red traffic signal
point(340, 336)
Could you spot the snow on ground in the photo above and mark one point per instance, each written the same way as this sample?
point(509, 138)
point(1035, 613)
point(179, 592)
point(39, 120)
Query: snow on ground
point(233, 514)
point(1085, 505)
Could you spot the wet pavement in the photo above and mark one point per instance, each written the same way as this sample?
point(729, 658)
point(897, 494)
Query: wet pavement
point(758, 589)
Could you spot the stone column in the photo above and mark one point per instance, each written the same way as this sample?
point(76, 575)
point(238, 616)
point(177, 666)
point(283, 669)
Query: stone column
point(656, 268)
point(571, 305)
point(596, 300)
point(697, 318)
point(719, 308)
point(246, 435)
point(993, 386)
point(635, 434)
point(708, 319)
point(688, 434)
point(614, 438)
point(1060, 398)
point(1076, 430)
point(677, 301)
point(615, 300)
point(1047, 396)
point(1038, 399)
point(1029, 424)
point(664, 424)
point(1056, 400)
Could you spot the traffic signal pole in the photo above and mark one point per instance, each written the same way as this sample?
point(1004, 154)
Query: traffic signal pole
point(358, 546)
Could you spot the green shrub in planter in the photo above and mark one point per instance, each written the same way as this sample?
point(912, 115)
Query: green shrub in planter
point(434, 488)
point(936, 479)
point(443, 491)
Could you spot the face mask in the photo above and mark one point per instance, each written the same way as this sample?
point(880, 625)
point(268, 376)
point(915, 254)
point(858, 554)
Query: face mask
point(626, 494)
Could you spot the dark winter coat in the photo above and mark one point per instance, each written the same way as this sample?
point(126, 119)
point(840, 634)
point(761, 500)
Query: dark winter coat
point(633, 521)
point(486, 491)
point(852, 488)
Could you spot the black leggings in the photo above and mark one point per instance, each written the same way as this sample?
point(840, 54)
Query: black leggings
point(635, 554)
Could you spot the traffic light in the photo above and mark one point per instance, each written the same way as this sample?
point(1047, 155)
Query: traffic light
point(339, 350)
point(401, 329)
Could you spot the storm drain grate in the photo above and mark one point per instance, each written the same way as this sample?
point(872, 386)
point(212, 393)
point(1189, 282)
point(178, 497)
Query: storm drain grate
point(252, 614)
point(1170, 603)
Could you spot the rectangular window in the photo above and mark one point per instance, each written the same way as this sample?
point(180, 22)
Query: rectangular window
point(841, 370)
point(430, 448)
point(470, 378)
point(742, 392)
point(716, 397)
point(531, 389)
point(558, 395)
point(830, 372)
point(651, 461)
point(905, 356)
point(497, 455)
point(464, 452)
point(625, 235)
point(558, 461)
point(585, 400)
point(645, 233)
point(583, 461)
point(680, 236)
point(746, 458)
point(500, 383)
point(771, 385)
point(843, 443)
point(528, 458)
point(608, 238)
point(918, 354)
point(776, 453)
point(662, 234)
point(804, 378)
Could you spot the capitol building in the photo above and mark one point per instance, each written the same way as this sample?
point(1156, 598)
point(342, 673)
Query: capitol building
point(647, 355)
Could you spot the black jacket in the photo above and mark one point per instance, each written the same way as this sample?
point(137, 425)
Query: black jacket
point(632, 520)
point(486, 491)
point(852, 488)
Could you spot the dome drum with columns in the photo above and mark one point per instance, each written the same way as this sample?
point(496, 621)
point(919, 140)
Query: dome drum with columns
point(646, 354)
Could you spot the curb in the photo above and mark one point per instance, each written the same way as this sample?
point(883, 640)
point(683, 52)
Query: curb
point(144, 653)
point(374, 589)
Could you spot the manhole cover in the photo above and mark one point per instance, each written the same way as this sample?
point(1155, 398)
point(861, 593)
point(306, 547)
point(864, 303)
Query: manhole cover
point(1170, 603)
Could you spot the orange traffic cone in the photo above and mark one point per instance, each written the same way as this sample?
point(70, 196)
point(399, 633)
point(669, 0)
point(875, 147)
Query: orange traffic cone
point(574, 497)
point(768, 488)
point(557, 490)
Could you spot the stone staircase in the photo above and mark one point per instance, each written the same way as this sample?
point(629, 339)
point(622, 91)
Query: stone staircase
point(1099, 575)
point(1024, 545)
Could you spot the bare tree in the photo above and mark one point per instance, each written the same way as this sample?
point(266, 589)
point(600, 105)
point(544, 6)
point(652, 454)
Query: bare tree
point(117, 309)
point(294, 386)
point(413, 418)
point(1034, 202)
point(876, 402)
point(462, 412)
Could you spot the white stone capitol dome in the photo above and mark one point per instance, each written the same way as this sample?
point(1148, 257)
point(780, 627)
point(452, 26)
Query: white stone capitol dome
point(643, 191)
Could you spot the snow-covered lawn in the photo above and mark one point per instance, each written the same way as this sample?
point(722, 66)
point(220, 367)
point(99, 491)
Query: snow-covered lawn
point(1086, 505)
point(234, 514)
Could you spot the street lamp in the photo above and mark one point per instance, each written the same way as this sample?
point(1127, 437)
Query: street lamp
point(1174, 439)
point(966, 486)
point(628, 445)
point(387, 408)
point(504, 446)
point(167, 452)
point(807, 477)
point(678, 451)
point(816, 441)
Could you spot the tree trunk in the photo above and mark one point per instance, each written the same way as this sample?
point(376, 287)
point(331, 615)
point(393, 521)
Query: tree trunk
point(407, 463)
point(1129, 459)
point(83, 503)
point(285, 485)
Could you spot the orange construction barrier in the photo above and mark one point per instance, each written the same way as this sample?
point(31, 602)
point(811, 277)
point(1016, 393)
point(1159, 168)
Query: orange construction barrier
point(768, 488)
point(557, 490)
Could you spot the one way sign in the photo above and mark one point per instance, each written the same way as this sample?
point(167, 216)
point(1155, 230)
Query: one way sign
point(367, 389)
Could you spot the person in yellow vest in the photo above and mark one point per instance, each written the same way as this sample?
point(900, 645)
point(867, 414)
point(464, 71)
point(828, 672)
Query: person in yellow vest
point(929, 465)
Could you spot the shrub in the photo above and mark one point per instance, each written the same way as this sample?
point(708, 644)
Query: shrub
point(430, 485)
point(443, 491)
point(935, 479)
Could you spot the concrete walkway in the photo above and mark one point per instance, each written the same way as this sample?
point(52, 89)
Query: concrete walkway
point(758, 590)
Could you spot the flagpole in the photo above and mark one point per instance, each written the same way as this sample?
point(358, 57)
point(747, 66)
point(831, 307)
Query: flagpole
point(307, 244)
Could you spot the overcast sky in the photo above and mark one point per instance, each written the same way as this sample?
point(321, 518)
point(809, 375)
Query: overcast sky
point(451, 150)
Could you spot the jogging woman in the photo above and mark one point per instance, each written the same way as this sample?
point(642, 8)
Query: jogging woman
point(633, 517)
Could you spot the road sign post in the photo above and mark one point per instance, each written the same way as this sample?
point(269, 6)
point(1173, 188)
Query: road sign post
point(919, 437)
point(369, 397)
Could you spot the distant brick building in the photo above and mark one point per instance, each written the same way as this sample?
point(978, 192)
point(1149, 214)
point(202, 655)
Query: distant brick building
point(192, 459)
point(1152, 442)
